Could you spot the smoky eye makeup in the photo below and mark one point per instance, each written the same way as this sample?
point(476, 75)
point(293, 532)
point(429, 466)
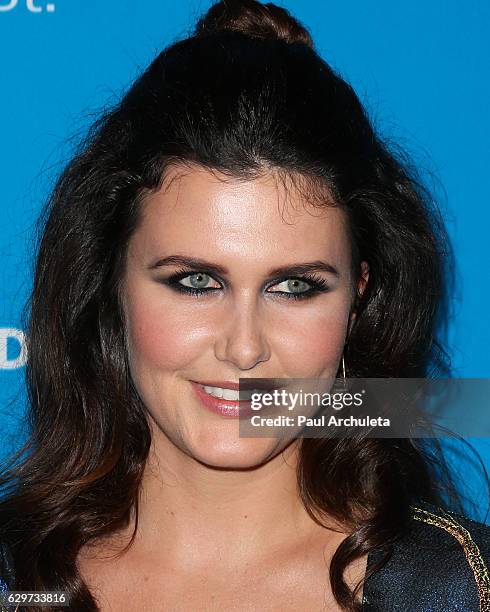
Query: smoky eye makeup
point(297, 287)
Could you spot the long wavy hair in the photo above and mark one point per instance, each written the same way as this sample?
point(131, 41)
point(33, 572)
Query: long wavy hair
point(246, 93)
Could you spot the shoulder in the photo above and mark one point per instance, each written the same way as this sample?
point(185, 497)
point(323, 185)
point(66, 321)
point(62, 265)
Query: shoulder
point(441, 563)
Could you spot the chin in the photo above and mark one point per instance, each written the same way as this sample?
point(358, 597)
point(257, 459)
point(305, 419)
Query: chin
point(244, 453)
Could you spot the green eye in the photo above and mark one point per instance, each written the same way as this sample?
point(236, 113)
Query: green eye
point(294, 285)
point(198, 280)
point(196, 284)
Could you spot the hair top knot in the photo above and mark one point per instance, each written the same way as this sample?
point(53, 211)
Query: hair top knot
point(253, 19)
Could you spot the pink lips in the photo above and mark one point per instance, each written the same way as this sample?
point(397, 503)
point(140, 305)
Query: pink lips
point(223, 407)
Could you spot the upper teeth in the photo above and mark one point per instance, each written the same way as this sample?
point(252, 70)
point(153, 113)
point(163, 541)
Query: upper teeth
point(231, 394)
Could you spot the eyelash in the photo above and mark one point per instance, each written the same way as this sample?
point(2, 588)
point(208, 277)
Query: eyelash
point(318, 285)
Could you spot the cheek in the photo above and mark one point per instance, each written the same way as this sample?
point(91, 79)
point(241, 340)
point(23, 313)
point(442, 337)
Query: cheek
point(161, 336)
point(316, 341)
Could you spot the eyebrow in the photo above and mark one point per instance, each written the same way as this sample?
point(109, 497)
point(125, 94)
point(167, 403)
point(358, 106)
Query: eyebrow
point(202, 264)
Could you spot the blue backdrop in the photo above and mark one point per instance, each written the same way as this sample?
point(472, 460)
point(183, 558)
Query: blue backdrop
point(421, 68)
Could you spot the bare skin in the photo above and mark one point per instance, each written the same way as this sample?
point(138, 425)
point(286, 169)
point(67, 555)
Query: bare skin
point(215, 549)
point(221, 525)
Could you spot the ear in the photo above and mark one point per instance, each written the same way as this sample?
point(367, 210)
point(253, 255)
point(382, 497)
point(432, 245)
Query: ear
point(361, 287)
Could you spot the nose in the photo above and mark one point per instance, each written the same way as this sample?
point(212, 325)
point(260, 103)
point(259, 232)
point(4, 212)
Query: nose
point(242, 340)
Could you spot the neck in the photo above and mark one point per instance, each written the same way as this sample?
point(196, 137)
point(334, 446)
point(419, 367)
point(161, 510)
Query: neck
point(196, 514)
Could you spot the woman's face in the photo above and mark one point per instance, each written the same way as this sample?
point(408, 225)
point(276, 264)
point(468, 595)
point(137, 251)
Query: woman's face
point(246, 324)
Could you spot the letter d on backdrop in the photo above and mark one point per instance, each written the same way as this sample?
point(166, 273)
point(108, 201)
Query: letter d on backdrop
point(8, 7)
point(18, 336)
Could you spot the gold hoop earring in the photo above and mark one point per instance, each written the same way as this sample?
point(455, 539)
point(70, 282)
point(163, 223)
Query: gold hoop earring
point(344, 381)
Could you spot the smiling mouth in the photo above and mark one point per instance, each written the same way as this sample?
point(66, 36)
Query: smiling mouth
point(234, 395)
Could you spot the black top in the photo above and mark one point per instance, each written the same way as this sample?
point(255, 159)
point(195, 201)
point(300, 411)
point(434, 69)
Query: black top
point(440, 565)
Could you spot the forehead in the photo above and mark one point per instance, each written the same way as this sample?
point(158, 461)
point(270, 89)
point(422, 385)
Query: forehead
point(197, 209)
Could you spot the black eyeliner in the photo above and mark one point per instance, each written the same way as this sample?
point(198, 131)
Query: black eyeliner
point(173, 282)
point(317, 285)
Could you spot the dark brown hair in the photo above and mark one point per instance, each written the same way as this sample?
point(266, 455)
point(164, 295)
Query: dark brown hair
point(277, 105)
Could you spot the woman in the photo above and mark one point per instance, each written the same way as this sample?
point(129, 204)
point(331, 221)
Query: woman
point(234, 216)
